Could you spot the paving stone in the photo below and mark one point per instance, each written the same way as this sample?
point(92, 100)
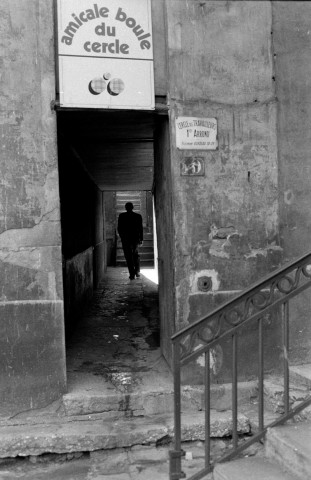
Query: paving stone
point(110, 462)
point(150, 472)
point(77, 470)
point(151, 455)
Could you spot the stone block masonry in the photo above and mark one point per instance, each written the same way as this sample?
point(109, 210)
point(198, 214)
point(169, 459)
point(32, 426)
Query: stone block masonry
point(31, 291)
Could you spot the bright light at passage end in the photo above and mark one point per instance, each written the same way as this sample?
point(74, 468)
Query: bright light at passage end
point(151, 274)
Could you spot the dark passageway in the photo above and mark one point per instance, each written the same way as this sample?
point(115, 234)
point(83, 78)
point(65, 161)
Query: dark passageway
point(100, 154)
point(112, 326)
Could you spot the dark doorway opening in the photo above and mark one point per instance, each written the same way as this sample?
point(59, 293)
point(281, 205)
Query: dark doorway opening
point(105, 158)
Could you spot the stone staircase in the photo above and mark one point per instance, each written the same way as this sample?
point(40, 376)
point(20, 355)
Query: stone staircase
point(287, 448)
point(95, 419)
point(287, 456)
point(146, 251)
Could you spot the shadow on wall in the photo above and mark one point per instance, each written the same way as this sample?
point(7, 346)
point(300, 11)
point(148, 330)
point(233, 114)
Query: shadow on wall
point(78, 287)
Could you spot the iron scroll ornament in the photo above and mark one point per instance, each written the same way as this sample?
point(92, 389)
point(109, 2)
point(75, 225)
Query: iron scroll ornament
point(264, 297)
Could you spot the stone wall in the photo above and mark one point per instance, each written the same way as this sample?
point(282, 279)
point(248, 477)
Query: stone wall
point(83, 238)
point(78, 287)
point(159, 27)
point(32, 370)
point(291, 36)
point(247, 65)
point(165, 234)
point(100, 246)
point(226, 221)
point(227, 226)
point(110, 227)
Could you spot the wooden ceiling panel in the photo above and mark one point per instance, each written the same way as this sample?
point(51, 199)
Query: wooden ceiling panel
point(124, 179)
point(116, 148)
point(107, 125)
point(132, 154)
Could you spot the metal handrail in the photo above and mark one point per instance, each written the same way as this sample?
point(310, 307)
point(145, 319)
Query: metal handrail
point(274, 290)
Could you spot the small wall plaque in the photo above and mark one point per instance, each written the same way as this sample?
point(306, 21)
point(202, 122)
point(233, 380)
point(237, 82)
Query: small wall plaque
point(192, 166)
point(194, 133)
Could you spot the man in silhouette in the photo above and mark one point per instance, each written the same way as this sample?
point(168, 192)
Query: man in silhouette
point(130, 229)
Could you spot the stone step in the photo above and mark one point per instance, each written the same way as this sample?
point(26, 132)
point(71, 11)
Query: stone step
point(301, 374)
point(143, 263)
point(120, 261)
point(147, 253)
point(148, 243)
point(147, 233)
point(290, 446)
point(144, 256)
point(142, 250)
point(121, 201)
point(94, 433)
point(274, 392)
point(146, 250)
point(252, 468)
point(127, 198)
point(148, 238)
point(128, 195)
point(147, 246)
point(153, 400)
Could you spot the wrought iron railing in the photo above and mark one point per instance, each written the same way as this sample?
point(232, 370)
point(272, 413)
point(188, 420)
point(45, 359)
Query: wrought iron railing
point(252, 305)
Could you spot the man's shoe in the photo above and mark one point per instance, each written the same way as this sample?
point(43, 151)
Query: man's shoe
point(131, 277)
point(137, 274)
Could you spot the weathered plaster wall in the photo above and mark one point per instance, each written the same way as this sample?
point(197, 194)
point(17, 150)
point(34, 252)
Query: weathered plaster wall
point(165, 234)
point(159, 50)
point(227, 221)
point(292, 57)
point(100, 247)
point(78, 287)
point(83, 240)
point(110, 226)
point(32, 369)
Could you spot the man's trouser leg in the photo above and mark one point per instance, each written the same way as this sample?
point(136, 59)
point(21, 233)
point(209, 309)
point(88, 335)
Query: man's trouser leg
point(136, 258)
point(128, 253)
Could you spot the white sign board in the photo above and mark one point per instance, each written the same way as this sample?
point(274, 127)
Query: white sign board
point(194, 133)
point(105, 54)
